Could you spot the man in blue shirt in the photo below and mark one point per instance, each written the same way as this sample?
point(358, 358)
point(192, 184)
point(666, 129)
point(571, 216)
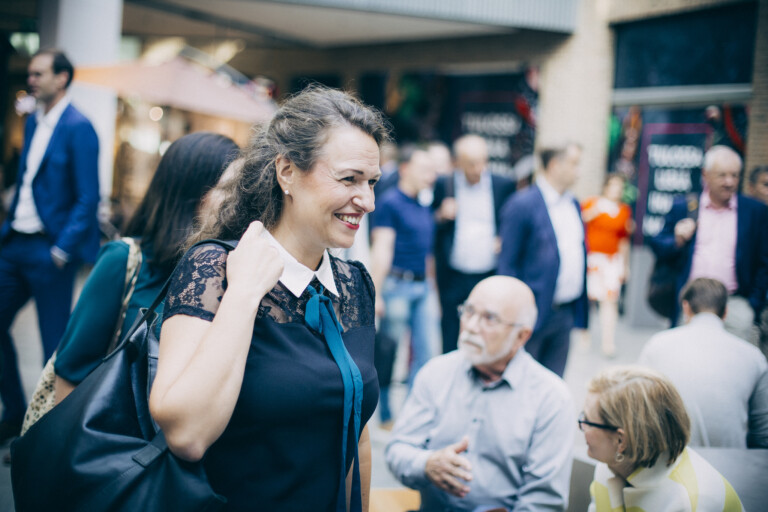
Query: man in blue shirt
point(486, 426)
point(401, 245)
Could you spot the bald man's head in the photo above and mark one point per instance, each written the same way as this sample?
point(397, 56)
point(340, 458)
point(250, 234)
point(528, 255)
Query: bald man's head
point(471, 155)
point(514, 297)
point(498, 318)
point(721, 172)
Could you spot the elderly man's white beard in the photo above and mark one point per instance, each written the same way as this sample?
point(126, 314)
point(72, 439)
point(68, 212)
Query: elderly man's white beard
point(474, 349)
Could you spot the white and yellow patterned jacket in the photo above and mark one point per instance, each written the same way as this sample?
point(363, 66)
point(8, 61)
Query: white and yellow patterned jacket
point(690, 484)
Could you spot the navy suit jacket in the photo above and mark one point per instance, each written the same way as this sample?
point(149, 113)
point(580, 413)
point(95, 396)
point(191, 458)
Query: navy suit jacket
point(529, 251)
point(66, 187)
point(501, 187)
point(751, 249)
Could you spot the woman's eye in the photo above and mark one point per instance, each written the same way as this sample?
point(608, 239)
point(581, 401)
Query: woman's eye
point(373, 182)
point(348, 179)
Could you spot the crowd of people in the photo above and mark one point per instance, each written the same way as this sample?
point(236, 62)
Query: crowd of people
point(266, 373)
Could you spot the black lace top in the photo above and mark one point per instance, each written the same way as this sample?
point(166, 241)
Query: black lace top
point(281, 449)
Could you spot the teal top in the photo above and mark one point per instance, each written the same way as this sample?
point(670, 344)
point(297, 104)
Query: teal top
point(92, 324)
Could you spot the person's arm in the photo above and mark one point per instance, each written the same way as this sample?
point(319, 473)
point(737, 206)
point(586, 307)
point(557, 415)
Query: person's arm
point(61, 389)
point(92, 324)
point(589, 210)
point(382, 253)
point(407, 455)
point(364, 454)
point(444, 204)
point(667, 244)
point(760, 287)
point(757, 436)
point(624, 247)
point(201, 364)
point(514, 234)
point(85, 161)
point(430, 268)
point(547, 470)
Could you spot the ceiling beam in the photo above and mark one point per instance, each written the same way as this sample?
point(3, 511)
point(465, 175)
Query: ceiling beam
point(194, 14)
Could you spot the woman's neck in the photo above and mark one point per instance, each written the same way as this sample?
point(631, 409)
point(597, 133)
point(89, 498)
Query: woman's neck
point(296, 248)
point(622, 469)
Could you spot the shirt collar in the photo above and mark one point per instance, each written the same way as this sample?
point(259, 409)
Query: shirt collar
point(706, 201)
point(52, 117)
point(463, 183)
point(551, 196)
point(406, 196)
point(707, 319)
point(513, 374)
point(296, 276)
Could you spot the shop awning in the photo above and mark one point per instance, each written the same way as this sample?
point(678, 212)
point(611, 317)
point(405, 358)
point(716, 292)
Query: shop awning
point(185, 85)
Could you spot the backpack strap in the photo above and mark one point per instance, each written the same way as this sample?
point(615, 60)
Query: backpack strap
point(132, 269)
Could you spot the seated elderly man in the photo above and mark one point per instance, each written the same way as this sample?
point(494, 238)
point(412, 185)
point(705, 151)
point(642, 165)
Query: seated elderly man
point(486, 427)
point(722, 378)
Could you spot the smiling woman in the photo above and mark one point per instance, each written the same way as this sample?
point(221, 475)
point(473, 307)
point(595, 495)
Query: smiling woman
point(266, 353)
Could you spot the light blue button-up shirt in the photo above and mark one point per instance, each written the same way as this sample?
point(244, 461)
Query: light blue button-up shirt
point(520, 432)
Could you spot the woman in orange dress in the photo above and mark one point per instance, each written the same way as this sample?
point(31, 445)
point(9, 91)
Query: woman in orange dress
point(608, 223)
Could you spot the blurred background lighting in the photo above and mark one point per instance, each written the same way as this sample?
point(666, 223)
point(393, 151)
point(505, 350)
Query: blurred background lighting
point(156, 113)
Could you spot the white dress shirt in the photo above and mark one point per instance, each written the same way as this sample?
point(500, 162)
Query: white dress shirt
point(26, 218)
point(569, 231)
point(296, 276)
point(474, 240)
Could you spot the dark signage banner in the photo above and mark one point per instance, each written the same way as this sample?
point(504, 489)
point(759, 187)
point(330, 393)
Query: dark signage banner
point(671, 158)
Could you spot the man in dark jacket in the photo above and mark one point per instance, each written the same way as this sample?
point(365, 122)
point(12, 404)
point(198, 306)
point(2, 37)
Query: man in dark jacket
point(727, 240)
point(466, 205)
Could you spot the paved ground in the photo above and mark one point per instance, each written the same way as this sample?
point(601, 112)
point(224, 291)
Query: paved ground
point(582, 365)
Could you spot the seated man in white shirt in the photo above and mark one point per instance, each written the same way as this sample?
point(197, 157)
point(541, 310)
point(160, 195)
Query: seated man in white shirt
point(722, 378)
point(486, 427)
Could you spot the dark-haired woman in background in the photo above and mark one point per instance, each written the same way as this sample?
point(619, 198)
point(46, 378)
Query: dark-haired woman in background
point(266, 353)
point(636, 426)
point(188, 170)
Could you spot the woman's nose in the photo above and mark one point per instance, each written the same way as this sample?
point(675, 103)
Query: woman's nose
point(365, 199)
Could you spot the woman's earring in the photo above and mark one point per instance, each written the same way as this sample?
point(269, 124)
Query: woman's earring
point(286, 192)
point(619, 457)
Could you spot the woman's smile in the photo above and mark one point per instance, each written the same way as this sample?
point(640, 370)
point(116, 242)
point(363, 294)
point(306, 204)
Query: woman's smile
point(352, 220)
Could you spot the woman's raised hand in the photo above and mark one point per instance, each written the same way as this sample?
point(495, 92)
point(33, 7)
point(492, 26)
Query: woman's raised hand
point(254, 267)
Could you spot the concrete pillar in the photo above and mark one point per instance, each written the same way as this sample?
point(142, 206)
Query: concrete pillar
point(575, 93)
point(89, 32)
point(757, 149)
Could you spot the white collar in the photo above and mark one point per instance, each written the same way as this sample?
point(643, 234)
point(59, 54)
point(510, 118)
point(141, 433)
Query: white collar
point(296, 276)
point(483, 182)
point(707, 319)
point(551, 196)
point(51, 119)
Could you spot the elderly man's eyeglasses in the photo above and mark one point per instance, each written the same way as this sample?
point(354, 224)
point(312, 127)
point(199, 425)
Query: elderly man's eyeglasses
point(488, 319)
point(583, 421)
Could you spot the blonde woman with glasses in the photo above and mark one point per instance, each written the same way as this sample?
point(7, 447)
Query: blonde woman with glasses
point(636, 427)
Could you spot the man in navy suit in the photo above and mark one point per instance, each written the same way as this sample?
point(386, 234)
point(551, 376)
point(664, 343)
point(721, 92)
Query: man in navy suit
point(542, 244)
point(466, 205)
point(722, 235)
point(51, 226)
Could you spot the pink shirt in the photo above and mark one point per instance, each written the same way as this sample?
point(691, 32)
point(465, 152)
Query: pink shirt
point(714, 255)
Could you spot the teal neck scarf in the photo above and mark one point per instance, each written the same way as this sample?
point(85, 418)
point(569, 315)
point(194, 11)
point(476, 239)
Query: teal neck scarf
point(321, 317)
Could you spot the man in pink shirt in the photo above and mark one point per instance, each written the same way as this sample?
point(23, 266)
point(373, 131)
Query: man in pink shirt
point(727, 240)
